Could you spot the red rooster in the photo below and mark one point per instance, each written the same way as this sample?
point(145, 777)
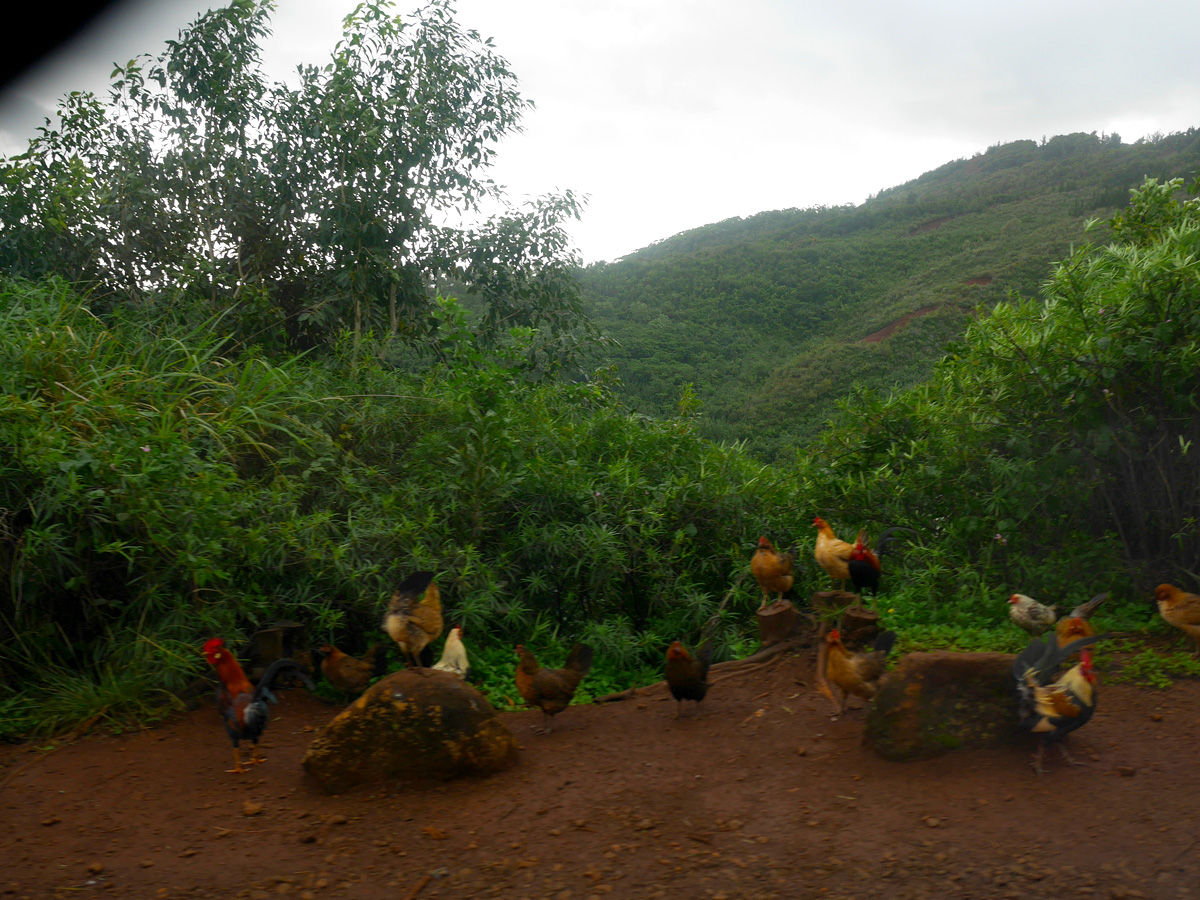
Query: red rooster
point(864, 565)
point(244, 707)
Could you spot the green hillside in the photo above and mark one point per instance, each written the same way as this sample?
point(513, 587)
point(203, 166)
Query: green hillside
point(774, 318)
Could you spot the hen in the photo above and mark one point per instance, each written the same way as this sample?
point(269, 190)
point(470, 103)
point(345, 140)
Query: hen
point(832, 553)
point(1054, 709)
point(454, 655)
point(1031, 616)
point(856, 673)
point(1181, 610)
point(772, 570)
point(349, 675)
point(243, 707)
point(1076, 625)
point(414, 616)
point(551, 690)
point(687, 677)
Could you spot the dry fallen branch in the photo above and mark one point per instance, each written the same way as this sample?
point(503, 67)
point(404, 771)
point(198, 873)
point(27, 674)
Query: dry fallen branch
point(729, 669)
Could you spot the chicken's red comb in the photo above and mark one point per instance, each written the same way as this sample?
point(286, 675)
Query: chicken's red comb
point(213, 644)
point(834, 635)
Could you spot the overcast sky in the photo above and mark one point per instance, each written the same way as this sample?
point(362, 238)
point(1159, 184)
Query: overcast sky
point(671, 114)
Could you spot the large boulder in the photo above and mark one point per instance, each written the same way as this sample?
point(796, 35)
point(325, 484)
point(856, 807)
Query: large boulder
point(934, 702)
point(411, 725)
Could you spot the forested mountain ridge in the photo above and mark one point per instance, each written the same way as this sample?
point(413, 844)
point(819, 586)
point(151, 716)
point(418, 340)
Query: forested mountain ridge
point(766, 316)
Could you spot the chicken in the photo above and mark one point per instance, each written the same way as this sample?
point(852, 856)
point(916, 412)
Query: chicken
point(856, 673)
point(243, 707)
point(1076, 625)
point(454, 655)
point(414, 616)
point(1181, 610)
point(349, 675)
point(865, 566)
point(1031, 616)
point(687, 677)
point(772, 570)
point(551, 690)
point(1054, 709)
point(832, 553)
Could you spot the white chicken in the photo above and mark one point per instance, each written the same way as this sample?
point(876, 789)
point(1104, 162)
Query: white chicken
point(454, 654)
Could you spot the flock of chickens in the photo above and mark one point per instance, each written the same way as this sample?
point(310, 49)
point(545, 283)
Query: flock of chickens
point(1050, 704)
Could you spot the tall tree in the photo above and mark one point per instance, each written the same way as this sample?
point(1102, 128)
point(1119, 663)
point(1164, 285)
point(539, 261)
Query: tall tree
point(302, 210)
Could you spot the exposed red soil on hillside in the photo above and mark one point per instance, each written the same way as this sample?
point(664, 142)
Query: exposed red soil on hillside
point(888, 330)
point(929, 226)
point(761, 795)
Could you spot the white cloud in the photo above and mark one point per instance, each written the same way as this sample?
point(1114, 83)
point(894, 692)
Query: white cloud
point(677, 113)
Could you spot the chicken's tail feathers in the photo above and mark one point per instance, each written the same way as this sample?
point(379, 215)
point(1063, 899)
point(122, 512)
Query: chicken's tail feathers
point(704, 656)
point(416, 583)
point(888, 535)
point(377, 659)
point(267, 682)
point(885, 642)
point(317, 659)
point(1028, 659)
point(580, 658)
point(1042, 656)
point(1085, 610)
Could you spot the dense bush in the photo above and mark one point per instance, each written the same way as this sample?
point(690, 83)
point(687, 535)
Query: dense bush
point(154, 492)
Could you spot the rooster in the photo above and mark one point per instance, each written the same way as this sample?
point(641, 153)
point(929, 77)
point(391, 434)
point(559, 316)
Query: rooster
point(687, 677)
point(864, 565)
point(551, 690)
point(1031, 616)
point(772, 570)
point(1054, 709)
point(832, 553)
point(414, 617)
point(243, 707)
point(1181, 610)
point(856, 673)
point(454, 655)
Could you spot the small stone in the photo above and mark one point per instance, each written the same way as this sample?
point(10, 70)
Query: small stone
point(52, 820)
point(95, 868)
point(1126, 771)
point(932, 821)
point(250, 808)
point(1156, 717)
point(802, 751)
point(337, 819)
point(146, 863)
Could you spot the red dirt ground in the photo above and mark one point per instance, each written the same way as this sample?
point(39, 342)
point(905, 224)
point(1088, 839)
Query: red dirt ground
point(760, 795)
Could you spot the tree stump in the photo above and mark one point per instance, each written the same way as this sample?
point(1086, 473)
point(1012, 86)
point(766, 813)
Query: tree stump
point(826, 603)
point(858, 626)
point(777, 622)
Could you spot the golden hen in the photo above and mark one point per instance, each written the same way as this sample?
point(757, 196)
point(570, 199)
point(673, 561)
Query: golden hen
point(772, 570)
point(1181, 610)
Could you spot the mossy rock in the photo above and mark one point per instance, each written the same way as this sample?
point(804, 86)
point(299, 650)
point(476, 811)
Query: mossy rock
point(936, 702)
point(411, 725)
